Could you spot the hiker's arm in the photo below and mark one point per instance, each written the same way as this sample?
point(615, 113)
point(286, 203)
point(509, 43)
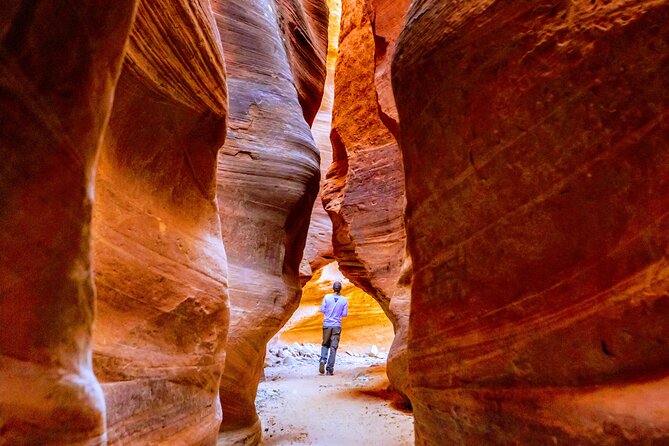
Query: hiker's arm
point(322, 310)
point(345, 312)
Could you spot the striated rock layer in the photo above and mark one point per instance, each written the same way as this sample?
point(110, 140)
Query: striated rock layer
point(534, 137)
point(267, 182)
point(364, 192)
point(54, 104)
point(160, 267)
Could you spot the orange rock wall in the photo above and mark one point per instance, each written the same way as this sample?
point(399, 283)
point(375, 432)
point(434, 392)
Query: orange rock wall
point(160, 267)
point(534, 137)
point(59, 62)
point(267, 183)
point(364, 191)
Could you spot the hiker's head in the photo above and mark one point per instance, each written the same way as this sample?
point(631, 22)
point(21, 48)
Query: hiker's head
point(336, 287)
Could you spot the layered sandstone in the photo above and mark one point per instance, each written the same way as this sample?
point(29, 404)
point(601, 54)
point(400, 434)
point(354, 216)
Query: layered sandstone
point(267, 182)
point(160, 268)
point(534, 137)
point(364, 192)
point(54, 104)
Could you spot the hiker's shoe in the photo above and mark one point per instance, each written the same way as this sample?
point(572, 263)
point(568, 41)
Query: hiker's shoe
point(321, 368)
point(330, 373)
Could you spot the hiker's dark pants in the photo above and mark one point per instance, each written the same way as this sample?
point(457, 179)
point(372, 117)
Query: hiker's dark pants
point(330, 342)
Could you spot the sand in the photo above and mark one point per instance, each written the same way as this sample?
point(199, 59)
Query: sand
point(298, 406)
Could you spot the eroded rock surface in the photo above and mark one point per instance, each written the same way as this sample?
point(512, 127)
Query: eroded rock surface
point(267, 182)
point(534, 137)
point(53, 110)
point(160, 268)
point(364, 192)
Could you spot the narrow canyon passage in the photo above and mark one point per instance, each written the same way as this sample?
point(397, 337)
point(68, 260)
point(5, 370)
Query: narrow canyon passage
point(297, 405)
point(183, 180)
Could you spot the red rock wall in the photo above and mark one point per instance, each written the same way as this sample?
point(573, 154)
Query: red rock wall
point(364, 191)
point(160, 267)
point(534, 137)
point(267, 182)
point(53, 109)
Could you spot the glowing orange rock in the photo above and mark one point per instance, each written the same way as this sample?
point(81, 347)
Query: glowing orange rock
point(160, 267)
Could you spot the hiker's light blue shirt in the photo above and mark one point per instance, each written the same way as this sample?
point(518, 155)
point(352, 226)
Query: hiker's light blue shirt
point(334, 311)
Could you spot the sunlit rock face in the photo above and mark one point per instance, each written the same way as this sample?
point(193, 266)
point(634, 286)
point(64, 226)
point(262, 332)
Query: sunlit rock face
point(54, 103)
point(159, 261)
point(534, 137)
point(364, 191)
point(267, 183)
point(366, 324)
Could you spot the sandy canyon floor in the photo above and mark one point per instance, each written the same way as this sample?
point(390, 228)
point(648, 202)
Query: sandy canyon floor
point(298, 406)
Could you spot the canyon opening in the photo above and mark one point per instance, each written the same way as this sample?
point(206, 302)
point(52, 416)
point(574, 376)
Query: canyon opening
point(184, 180)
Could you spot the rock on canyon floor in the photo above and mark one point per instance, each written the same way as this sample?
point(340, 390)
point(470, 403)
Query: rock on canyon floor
point(297, 406)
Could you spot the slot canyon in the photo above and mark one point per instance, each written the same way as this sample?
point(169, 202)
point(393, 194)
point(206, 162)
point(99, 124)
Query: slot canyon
point(183, 181)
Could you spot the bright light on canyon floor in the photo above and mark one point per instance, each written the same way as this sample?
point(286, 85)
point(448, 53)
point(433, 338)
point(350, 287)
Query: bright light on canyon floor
point(297, 405)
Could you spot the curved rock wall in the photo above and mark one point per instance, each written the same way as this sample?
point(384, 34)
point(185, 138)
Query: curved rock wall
point(267, 182)
point(54, 104)
point(534, 137)
point(160, 267)
point(364, 191)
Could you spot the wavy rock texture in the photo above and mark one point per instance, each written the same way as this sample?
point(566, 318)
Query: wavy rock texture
point(267, 182)
point(160, 267)
point(318, 250)
point(53, 109)
point(534, 137)
point(364, 192)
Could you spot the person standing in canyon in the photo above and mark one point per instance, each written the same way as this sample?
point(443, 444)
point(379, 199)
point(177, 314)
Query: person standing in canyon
point(334, 307)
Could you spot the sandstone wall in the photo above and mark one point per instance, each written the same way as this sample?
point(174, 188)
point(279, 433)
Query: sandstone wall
point(267, 182)
point(59, 62)
point(534, 137)
point(160, 267)
point(364, 191)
